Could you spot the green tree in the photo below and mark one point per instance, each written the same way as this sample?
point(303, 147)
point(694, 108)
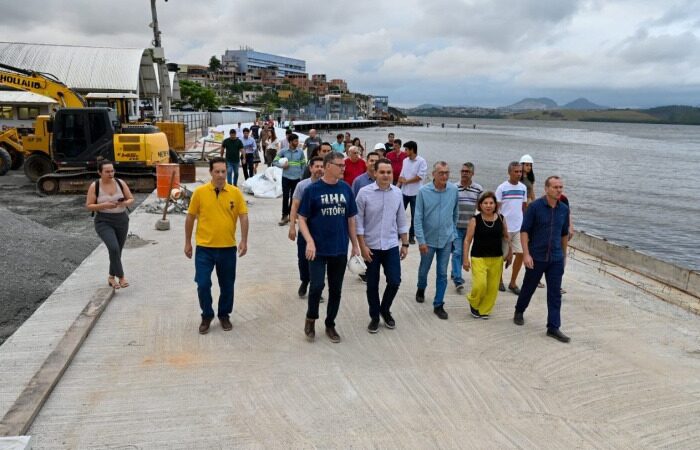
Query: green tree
point(214, 64)
point(297, 100)
point(200, 97)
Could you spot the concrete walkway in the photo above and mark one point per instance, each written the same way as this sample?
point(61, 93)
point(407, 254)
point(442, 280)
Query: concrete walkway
point(144, 378)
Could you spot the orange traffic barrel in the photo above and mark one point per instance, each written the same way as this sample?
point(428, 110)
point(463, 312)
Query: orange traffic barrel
point(163, 174)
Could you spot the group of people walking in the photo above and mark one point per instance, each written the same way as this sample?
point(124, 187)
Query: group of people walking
point(376, 213)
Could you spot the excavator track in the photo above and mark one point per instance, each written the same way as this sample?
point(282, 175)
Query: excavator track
point(78, 182)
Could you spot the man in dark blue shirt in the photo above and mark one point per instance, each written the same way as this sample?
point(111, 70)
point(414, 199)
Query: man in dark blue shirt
point(327, 221)
point(544, 235)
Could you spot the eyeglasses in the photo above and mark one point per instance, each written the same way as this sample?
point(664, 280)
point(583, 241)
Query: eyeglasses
point(342, 166)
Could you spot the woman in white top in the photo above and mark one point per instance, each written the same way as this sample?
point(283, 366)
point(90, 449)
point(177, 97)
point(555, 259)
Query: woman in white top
point(109, 199)
point(273, 146)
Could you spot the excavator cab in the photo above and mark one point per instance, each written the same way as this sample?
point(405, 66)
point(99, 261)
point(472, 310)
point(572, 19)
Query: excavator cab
point(81, 136)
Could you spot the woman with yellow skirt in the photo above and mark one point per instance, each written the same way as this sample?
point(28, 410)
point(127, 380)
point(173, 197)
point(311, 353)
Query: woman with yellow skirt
point(485, 234)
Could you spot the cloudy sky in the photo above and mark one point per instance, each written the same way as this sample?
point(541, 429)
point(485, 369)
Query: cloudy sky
point(451, 52)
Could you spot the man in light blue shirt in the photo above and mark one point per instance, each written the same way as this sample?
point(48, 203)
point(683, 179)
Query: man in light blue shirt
point(339, 144)
point(292, 170)
point(380, 219)
point(436, 227)
point(249, 149)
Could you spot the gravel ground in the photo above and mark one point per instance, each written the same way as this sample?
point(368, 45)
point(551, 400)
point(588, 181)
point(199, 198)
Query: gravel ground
point(42, 240)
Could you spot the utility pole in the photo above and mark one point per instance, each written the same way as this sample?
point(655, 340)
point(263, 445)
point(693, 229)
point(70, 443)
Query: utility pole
point(159, 58)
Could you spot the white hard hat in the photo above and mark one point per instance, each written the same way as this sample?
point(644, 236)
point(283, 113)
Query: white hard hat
point(356, 265)
point(526, 159)
point(282, 161)
point(379, 146)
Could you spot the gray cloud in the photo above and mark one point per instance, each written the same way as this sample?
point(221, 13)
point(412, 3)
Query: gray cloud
point(500, 24)
point(645, 49)
point(439, 51)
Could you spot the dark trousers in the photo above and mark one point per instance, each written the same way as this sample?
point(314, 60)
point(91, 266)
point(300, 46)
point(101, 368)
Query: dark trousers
point(288, 187)
point(410, 200)
point(248, 169)
point(335, 267)
point(390, 260)
point(553, 273)
point(224, 260)
point(113, 229)
point(301, 258)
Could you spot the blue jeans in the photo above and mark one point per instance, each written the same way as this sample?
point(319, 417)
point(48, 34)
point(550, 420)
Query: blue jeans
point(391, 261)
point(335, 266)
point(232, 172)
point(442, 255)
point(302, 262)
point(457, 245)
point(205, 260)
point(553, 273)
point(410, 200)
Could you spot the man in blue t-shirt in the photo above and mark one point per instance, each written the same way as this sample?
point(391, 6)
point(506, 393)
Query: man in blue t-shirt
point(327, 221)
point(545, 236)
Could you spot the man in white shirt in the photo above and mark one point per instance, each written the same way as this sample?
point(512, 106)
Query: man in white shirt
point(413, 172)
point(512, 201)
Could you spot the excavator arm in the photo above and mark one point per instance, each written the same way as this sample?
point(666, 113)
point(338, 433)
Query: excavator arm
point(42, 84)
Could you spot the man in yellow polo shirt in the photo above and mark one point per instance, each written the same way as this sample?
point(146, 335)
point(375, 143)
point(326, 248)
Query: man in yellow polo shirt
point(216, 207)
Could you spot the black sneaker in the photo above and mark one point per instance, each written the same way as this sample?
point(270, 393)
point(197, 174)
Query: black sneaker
point(514, 289)
point(420, 295)
point(501, 287)
point(518, 318)
point(460, 288)
point(389, 321)
point(373, 326)
point(558, 335)
point(475, 313)
point(412, 241)
point(440, 312)
point(303, 288)
point(485, 316)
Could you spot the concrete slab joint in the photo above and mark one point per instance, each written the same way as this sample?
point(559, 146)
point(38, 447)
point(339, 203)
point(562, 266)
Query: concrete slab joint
point(16, 443)
point(21, 414)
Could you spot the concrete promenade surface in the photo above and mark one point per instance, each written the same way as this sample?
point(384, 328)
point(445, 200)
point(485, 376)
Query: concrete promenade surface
point(144, 377)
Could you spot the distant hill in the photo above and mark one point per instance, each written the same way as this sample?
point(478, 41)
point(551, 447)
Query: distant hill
point(427, 106)
point(582, 104)
point(680, 114)
point(528, 104)
point(675, 114)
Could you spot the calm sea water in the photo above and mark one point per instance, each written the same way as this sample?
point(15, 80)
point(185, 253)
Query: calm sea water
point(634, 184)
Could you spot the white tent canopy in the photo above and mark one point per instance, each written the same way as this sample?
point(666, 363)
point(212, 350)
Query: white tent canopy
point(87, 69)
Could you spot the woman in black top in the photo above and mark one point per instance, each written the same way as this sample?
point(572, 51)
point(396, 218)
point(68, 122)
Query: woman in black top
point(488, 232)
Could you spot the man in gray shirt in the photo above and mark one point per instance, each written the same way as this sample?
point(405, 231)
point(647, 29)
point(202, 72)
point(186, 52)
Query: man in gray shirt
point(316, 166)
point(380, 219)
point(311, 143)
point(468, 193)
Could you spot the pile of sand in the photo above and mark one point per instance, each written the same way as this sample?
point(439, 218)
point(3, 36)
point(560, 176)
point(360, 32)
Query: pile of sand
point(35, 261)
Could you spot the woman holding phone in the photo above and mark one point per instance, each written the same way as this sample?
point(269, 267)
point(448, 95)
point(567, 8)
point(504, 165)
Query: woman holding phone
point(488, 232)
point(108, 198)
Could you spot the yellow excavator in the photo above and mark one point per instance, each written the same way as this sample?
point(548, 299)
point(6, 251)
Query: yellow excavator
point(62, 153)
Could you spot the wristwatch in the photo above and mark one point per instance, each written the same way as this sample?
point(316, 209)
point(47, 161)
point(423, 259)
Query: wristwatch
point(405, 245)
